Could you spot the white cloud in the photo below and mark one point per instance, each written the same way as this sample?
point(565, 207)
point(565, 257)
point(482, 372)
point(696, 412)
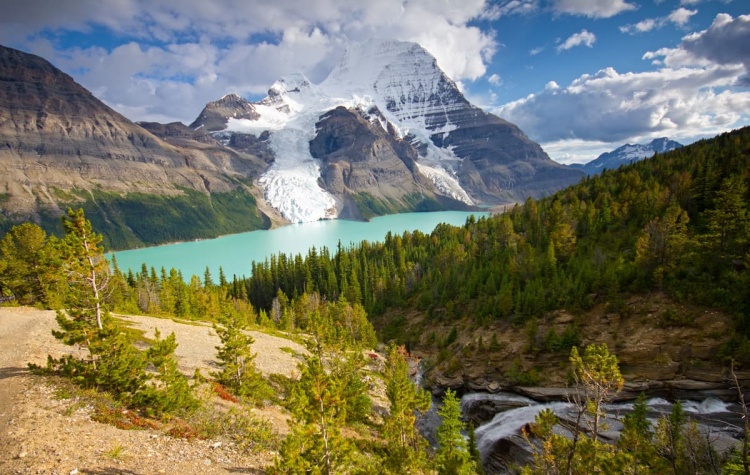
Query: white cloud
point(495, 80)
point(723, 43)
point(583, 38)
point(510, 7)
point(592, 8)
point(613, 107)
point(536, 51)
point(679, 17)
point(177, 57)
point(696, 93)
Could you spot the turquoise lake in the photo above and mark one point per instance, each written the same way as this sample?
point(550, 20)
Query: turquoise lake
point(236, 252)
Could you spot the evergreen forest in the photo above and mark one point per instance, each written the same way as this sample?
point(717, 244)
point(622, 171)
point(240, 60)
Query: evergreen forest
point(678, 224)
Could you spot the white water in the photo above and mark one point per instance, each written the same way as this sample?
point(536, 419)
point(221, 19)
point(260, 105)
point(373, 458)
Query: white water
point(508, 423)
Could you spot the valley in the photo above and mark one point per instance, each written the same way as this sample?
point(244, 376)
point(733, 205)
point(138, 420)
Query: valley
point(591, 291)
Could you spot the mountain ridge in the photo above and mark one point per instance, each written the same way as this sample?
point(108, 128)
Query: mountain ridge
point(470, 156)
point(420, 145)
point(62, 147)
point(627, 154)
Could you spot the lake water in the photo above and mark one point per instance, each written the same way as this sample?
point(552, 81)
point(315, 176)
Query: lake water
point(235, 253)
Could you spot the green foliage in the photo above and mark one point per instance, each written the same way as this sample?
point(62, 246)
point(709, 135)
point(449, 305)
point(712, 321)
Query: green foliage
point(135, 219)
point(110, 362)
point(236, 359)
point(30, 266)
point(653, 225)
point(598, 379)
point(453, 456)
point(564, 342)
point(405, 446)
point(517, 376)
point(315, 444)
point(169, 390)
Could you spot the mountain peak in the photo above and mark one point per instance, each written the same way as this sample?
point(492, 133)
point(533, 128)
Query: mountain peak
point(629, 153)
point(215, 115)
point(449, 146)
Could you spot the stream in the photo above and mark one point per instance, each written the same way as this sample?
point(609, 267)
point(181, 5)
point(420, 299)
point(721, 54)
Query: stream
point(499, 418)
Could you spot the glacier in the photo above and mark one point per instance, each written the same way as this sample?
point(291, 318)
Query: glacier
point(399, 78)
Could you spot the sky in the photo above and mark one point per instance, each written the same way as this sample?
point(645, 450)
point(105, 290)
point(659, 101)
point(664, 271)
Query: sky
point(581, 77)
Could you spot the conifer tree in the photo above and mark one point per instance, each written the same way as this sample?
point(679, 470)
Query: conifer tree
point(30, 262)
point(238, 371)
point(86, 321)
point(172, 391)
point(315, 444)
point(406, 448)
point(453, 456)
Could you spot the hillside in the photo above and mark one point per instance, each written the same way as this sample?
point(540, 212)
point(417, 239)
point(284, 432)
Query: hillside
point(675, 225)
point(62, 147)
point(44, 431)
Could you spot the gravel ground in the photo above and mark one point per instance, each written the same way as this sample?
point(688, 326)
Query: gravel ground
point(42, 434)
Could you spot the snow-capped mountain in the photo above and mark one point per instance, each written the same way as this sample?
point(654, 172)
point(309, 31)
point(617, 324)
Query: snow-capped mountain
point(386, 131)
point(628, 154)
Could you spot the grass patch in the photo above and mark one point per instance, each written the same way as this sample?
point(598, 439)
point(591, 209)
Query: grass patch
point(116, 452)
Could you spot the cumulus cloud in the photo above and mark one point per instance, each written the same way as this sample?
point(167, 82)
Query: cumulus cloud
point(723, 43)
point(695, 92)
point(167, 60)
point(679, 17)
point(592, 8)
point(585, 38)
point(612, 107)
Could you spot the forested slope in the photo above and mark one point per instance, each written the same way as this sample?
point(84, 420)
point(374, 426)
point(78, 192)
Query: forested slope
point(676, 223)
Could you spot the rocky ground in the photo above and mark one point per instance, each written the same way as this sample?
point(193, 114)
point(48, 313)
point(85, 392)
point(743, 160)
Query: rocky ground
point(43, 432)
point(664, 348)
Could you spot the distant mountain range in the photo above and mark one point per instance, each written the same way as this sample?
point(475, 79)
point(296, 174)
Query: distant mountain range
point(386, 132)
point(627, 154)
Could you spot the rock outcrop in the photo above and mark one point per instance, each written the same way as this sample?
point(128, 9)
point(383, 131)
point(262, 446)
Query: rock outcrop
point(215, 115)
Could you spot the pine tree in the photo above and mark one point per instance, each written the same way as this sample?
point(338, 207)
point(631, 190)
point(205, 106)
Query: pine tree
point(453, 456)
point(171, 391)
point(238, 371)
point(30, 263)
point(315, 444)
point(85, 320)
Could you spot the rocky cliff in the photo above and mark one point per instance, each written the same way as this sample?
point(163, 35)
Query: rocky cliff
point(59, 146)
point(417, 142)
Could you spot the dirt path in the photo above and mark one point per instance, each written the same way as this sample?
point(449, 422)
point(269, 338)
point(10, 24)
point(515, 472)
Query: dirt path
point(40, 433)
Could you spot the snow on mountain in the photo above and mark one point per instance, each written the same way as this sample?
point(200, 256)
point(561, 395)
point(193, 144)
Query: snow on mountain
point(401, 79)
point(629, 153)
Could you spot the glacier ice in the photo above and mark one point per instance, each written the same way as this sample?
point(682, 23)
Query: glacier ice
point(401, 79)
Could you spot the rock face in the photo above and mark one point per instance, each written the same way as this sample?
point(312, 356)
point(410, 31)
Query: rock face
point(215, 115)
point(58, 143)
point(627, 154)
point(655, 355)
point(360, 158)
point(409, 122)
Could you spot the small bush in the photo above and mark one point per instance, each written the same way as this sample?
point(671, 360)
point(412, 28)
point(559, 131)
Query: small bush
point(517, 376)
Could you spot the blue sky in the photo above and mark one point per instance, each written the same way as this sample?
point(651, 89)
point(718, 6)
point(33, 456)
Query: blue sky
point(578, 76)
